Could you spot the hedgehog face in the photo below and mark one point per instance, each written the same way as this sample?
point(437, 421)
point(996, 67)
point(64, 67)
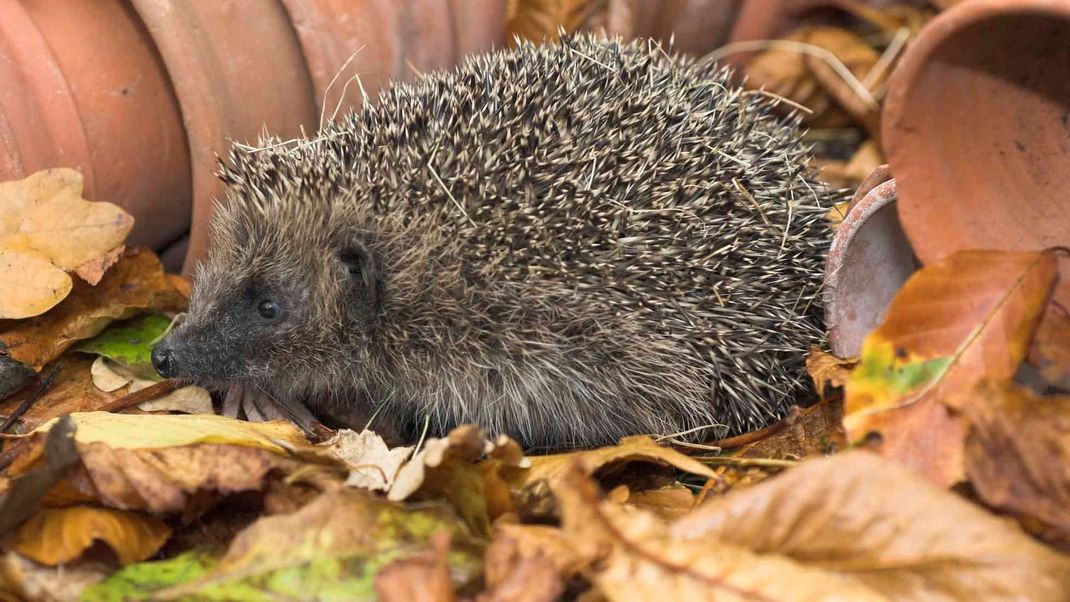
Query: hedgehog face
point(272, 306)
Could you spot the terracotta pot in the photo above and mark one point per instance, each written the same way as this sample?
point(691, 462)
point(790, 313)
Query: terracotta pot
point(386, 40)
point(237, 70)
point(81, 85)
point(977, 129)
point(868, 263)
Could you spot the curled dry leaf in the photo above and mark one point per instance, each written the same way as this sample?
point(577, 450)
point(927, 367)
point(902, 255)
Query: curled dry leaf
point(134, 285)
point(371, 463)
point(59, 535)
point(465, 444)
point(638, 448)
point(967, 318)
point(332, 548)
point(1018, 456)
point(46, 230)
point(827, 370)
point(877, 523)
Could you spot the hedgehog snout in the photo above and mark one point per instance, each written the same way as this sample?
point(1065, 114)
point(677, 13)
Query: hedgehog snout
point(164, 359)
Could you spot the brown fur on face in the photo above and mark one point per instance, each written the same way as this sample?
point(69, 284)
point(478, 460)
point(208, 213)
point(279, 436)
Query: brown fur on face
point(567, 244)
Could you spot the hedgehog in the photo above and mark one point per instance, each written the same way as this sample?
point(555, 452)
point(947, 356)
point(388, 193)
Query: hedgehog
point(566, 243)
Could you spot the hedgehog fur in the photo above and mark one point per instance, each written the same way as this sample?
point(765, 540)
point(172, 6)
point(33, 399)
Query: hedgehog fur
point(565, 243)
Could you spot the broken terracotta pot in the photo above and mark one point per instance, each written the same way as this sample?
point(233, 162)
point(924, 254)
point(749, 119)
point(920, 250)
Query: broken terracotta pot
point(868, 263)
point(977, 129)
point(81, 85)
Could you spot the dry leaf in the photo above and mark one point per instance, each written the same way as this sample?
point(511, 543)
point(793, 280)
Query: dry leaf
point(372, 464)
point(540, 20)
point(514, 543)
point(24, 579)
point(46, 230)
point(127, 431)
point(516, 574)
point(1018, 455)
point(789, 72)
point(669, 502)
point(60, 535)
point(422, 577)
point(188, 400)
point(633, 555)
point(828, 370)
point(638, 448)
point(338, 540)
point(1050, 353)
point(179, 480)
point(135, 284)
point(954, 323)
point(72, 391)
point(873, 521)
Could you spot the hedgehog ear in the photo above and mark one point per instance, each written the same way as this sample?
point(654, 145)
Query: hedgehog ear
point(363, 270)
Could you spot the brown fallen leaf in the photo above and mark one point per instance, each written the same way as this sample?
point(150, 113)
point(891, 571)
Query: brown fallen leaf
point(422, 577)
point(540, 20)
point(1049, 355)
point(638, 448)
point(24, 579)
point(516, 544)
point(1018, 456)
point(786, 70)
point(967, 318)
point(72, 391)
point(133, 285)
point(870, 520)
point(632, 555)
point(827, 370)
point(59, 535)
point(850, 173)
point(46, 230)
point(512, 576)
point(669, 502)
point(179, 480)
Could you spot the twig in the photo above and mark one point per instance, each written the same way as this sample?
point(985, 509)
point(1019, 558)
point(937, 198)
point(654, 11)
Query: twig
point(132, 399)
point(818, 52)
point(765, 462)
point(769, 431)
point(42, 388)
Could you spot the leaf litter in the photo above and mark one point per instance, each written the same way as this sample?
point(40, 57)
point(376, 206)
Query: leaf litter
point(958, 399)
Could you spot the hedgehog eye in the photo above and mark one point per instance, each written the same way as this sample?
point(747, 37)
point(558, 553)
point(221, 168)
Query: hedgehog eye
point(269, 310)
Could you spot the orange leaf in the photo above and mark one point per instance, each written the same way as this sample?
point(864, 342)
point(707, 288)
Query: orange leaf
point(60, 535)
point(954, 323)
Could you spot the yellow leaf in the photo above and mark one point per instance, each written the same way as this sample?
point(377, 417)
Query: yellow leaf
point(60, 535)
point(136, 431)
point(31, 284)
point(46, 227)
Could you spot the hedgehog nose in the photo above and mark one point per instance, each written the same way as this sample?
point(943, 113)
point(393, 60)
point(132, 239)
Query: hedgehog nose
point(163, 359)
